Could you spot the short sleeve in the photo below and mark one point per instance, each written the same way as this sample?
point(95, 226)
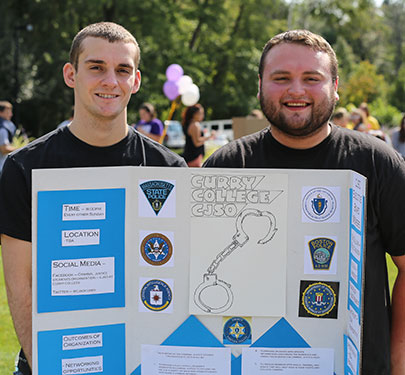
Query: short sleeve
point(4, 137)
point(15, 202)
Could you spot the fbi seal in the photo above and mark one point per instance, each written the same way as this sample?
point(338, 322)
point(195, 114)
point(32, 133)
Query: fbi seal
point(319, 299)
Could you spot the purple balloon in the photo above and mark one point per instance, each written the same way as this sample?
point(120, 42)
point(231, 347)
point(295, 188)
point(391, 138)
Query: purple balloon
point(174, 72)
point(171, 90)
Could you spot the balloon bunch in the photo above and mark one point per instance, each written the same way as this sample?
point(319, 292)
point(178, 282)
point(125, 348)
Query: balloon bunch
point(179, 84)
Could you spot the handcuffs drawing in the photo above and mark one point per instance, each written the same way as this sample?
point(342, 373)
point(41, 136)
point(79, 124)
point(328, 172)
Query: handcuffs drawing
point(239, 239)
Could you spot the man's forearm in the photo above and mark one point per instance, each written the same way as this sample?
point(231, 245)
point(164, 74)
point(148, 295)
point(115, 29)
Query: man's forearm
point(21, 311)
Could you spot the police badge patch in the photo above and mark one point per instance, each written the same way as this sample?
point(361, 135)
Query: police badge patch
point(156, 192)
point(156, 295)
point(237, 331)
point(319, 204)
point(321, 250)
point(156, 249)
point(319, 299)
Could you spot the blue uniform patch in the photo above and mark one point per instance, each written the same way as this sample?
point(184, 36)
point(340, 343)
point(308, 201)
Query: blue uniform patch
point(156, 249)
point(156, 295)
point(237, 331)
point(321, 250)
point(319, 299)
point(156, 192)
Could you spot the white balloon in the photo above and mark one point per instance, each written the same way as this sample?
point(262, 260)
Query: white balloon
point(194, 88)
point(190, 97)
point(184, 83)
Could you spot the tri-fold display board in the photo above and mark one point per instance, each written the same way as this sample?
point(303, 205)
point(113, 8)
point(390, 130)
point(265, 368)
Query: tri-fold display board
point(169, 271)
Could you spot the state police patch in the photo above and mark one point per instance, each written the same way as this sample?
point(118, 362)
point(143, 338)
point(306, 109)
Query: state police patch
point(156, 249)
point(237, 331)
point(319, 299)
point(321, 250)
point(156, 295)
point(156, 192)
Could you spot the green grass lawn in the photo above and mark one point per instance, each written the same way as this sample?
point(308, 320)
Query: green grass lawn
point(8, 340)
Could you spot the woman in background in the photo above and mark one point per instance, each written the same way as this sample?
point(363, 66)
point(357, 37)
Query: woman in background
point(194, 148)
point(149, 124)
point(398, 138)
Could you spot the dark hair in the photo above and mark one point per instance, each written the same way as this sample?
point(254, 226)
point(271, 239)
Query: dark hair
point(105, 30)
point(148, 107)
point(402, 130)
point(5, 104)
point(188, 115)
point(302, 37)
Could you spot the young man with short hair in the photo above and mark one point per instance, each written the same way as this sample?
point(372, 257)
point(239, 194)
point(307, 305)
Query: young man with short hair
point(103, 72)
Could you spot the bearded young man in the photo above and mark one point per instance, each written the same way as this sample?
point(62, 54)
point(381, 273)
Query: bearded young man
point(103, 72)
point(298, 80)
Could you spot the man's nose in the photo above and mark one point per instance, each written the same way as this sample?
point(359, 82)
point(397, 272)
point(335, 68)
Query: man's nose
point(296, 88)
point(110, 78)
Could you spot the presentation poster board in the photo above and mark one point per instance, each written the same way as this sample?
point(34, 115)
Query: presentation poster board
point(152, 271)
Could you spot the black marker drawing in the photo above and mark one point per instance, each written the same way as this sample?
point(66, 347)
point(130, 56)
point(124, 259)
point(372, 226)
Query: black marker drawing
point(239, 239)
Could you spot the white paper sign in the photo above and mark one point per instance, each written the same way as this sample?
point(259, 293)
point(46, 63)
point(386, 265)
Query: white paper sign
point(354, 294)
point(73, 277)
point(352, 357)
point(287, 361)
point(173, 360)
point(82, 341)
point(354, 327)
point(84, 365)
point(355, 245)
point(83, 211)
point(80, 237)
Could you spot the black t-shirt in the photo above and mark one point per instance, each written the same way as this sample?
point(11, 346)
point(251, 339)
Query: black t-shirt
point(385, 171)
point(61, 149)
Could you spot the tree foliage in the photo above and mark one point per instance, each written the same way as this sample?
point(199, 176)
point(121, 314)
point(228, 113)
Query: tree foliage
point(218, 43)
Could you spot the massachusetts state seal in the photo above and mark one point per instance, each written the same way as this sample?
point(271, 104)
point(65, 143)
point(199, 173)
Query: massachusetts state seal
point(156, 295)
point(319, 204)
point(156, 249)
point(237, 331)
point(319, 299)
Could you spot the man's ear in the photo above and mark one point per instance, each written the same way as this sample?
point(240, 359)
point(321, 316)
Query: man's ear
point(336, 85)
point(259, 83)
point(137, 83)
point(69, 75)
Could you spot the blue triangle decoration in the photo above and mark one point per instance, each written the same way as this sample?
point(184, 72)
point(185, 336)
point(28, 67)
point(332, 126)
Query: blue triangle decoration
point(193, 333)
point(281, 335)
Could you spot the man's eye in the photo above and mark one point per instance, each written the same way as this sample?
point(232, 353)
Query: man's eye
point(280, 79)
point(124, 71)
point(312, 79)
point(95, 68)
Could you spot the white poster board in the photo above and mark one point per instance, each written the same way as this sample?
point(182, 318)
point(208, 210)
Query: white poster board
point(135, 267)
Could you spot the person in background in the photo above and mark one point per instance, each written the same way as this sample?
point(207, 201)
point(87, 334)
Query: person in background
point(341, 117)
point(103, 73)
point(298, 82)
point(194, 149)
point(149, 124)
point(7, 131)
point(371, 122)
point(359, 121)
point(398, 138)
